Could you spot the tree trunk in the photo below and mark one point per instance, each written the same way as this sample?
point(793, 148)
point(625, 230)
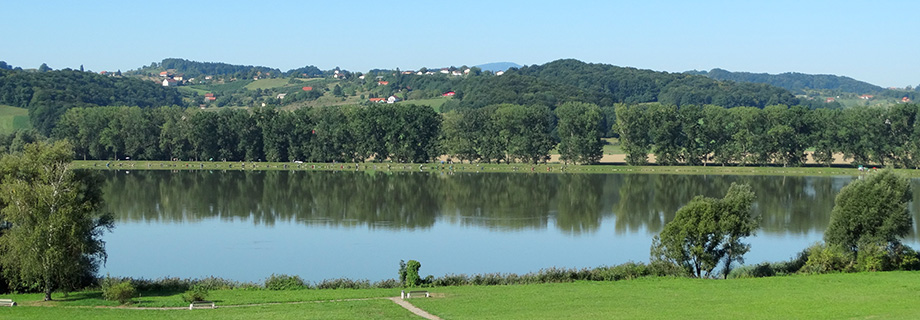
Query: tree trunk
point(47, 292)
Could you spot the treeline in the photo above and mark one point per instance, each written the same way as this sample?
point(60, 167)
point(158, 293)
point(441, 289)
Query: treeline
point(194, 69)
point(795, 82)
point(700, 135)
point(49, 94)
point(398, 132)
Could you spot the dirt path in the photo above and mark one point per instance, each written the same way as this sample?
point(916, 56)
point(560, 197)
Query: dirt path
point(414, 309)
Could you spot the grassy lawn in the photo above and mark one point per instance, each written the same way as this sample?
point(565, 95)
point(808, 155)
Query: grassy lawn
point(838, 296)
point(267, 83)
point(369, 309)
point(433, 102)
point(13, 118)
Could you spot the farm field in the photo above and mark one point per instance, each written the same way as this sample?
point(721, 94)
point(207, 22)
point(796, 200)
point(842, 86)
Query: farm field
point(13, 118)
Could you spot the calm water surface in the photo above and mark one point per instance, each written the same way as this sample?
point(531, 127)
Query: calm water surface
point(322, 225)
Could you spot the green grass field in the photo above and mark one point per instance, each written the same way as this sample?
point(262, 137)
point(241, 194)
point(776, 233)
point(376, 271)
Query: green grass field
point(267, 83)
point(13, 118)
point(434, 103)
point(882, 295)
point(886, 295)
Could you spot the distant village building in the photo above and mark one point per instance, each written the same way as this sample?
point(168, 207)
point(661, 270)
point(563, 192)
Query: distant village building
point(829, 100)
point(377, 100)
point(170, 82)
point(209, 97)
point(499, 73)
point(307, 88)
point(449, 94)
point(164, 73)
point(905, 100)
point(392, 99)
point(866, 96)
point(383, 83)
point(282, 95)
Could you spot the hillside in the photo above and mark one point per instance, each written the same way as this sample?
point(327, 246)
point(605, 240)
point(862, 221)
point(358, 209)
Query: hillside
point(48, 94)
point(794, 81)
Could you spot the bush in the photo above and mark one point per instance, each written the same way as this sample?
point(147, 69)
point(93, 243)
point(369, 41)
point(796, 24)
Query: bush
point(284, 282)
point(412, 277)
point(196, 293)
point(118, 290)
point(761, 270)
point(872, 257)
point(905, 258)
point(825, 259)
point(343, 283)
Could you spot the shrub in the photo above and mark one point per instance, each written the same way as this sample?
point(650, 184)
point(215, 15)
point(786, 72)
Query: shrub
point(905, 258)
point(825, 259)
point(283, 282)
point(412, 277)
point(872, 257)
point(118, 290)
point(196, 293)
point(343, 283)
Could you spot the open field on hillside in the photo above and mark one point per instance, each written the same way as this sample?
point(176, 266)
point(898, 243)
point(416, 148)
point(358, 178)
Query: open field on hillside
point(13, 118)
point(267, 83)
point(435, 103)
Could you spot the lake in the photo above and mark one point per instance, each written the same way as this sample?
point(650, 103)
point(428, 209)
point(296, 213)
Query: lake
point(247, 225)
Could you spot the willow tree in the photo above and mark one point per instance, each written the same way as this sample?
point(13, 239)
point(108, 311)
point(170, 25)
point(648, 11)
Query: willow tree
point(54, 217)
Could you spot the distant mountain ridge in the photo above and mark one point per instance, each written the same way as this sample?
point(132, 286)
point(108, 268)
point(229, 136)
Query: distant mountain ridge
point(498, 66)
point(794, 81)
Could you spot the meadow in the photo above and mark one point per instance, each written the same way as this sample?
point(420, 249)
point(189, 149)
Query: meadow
point(13, 118)
point(828, 296)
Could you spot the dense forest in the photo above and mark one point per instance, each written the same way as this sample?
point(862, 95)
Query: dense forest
point(794, 81)
point(49, 94)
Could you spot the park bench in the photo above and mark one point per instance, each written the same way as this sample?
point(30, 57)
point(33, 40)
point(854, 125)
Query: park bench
point(202, 305)
point(7, 302)
point(417, 294)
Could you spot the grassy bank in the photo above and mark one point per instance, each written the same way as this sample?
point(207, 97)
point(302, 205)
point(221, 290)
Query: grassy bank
point(830, 296)
point(446, 168)
point(835, 296)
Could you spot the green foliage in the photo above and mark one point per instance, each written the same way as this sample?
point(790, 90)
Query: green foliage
point(120, 290)
point(55, 218)
point(284, 282)
point(870, 211)
point(796, 82)
point(196, 293)
point(580, 132)
point(412, 277)
point(826, 258)
point(706, 231)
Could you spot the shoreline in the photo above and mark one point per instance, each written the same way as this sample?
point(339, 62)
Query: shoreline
point(476, 168)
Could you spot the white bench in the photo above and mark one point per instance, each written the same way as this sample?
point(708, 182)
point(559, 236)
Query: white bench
point(417, 294)
point(202, 305)
point(7, 302)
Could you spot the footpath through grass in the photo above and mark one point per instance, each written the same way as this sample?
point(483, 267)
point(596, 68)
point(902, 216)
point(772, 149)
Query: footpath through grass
point(478, 168)
point(883, 295)
point(232, 304)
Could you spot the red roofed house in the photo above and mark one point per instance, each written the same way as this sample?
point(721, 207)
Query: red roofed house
point(378, 100)
point(866, 96)
point(170, 83)
point(307, 88)
point(209, 97)
point(905, 99)
point(164, 73)
point(829, 100)
point(449, 94)
point(382, 83)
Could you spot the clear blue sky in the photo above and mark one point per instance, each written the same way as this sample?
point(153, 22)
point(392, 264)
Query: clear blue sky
point(873, 41)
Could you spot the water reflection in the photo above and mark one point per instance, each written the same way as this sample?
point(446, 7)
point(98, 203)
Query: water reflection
point(572, 203)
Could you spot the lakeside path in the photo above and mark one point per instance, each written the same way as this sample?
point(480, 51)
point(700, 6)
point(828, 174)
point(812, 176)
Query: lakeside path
point(473, 168)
